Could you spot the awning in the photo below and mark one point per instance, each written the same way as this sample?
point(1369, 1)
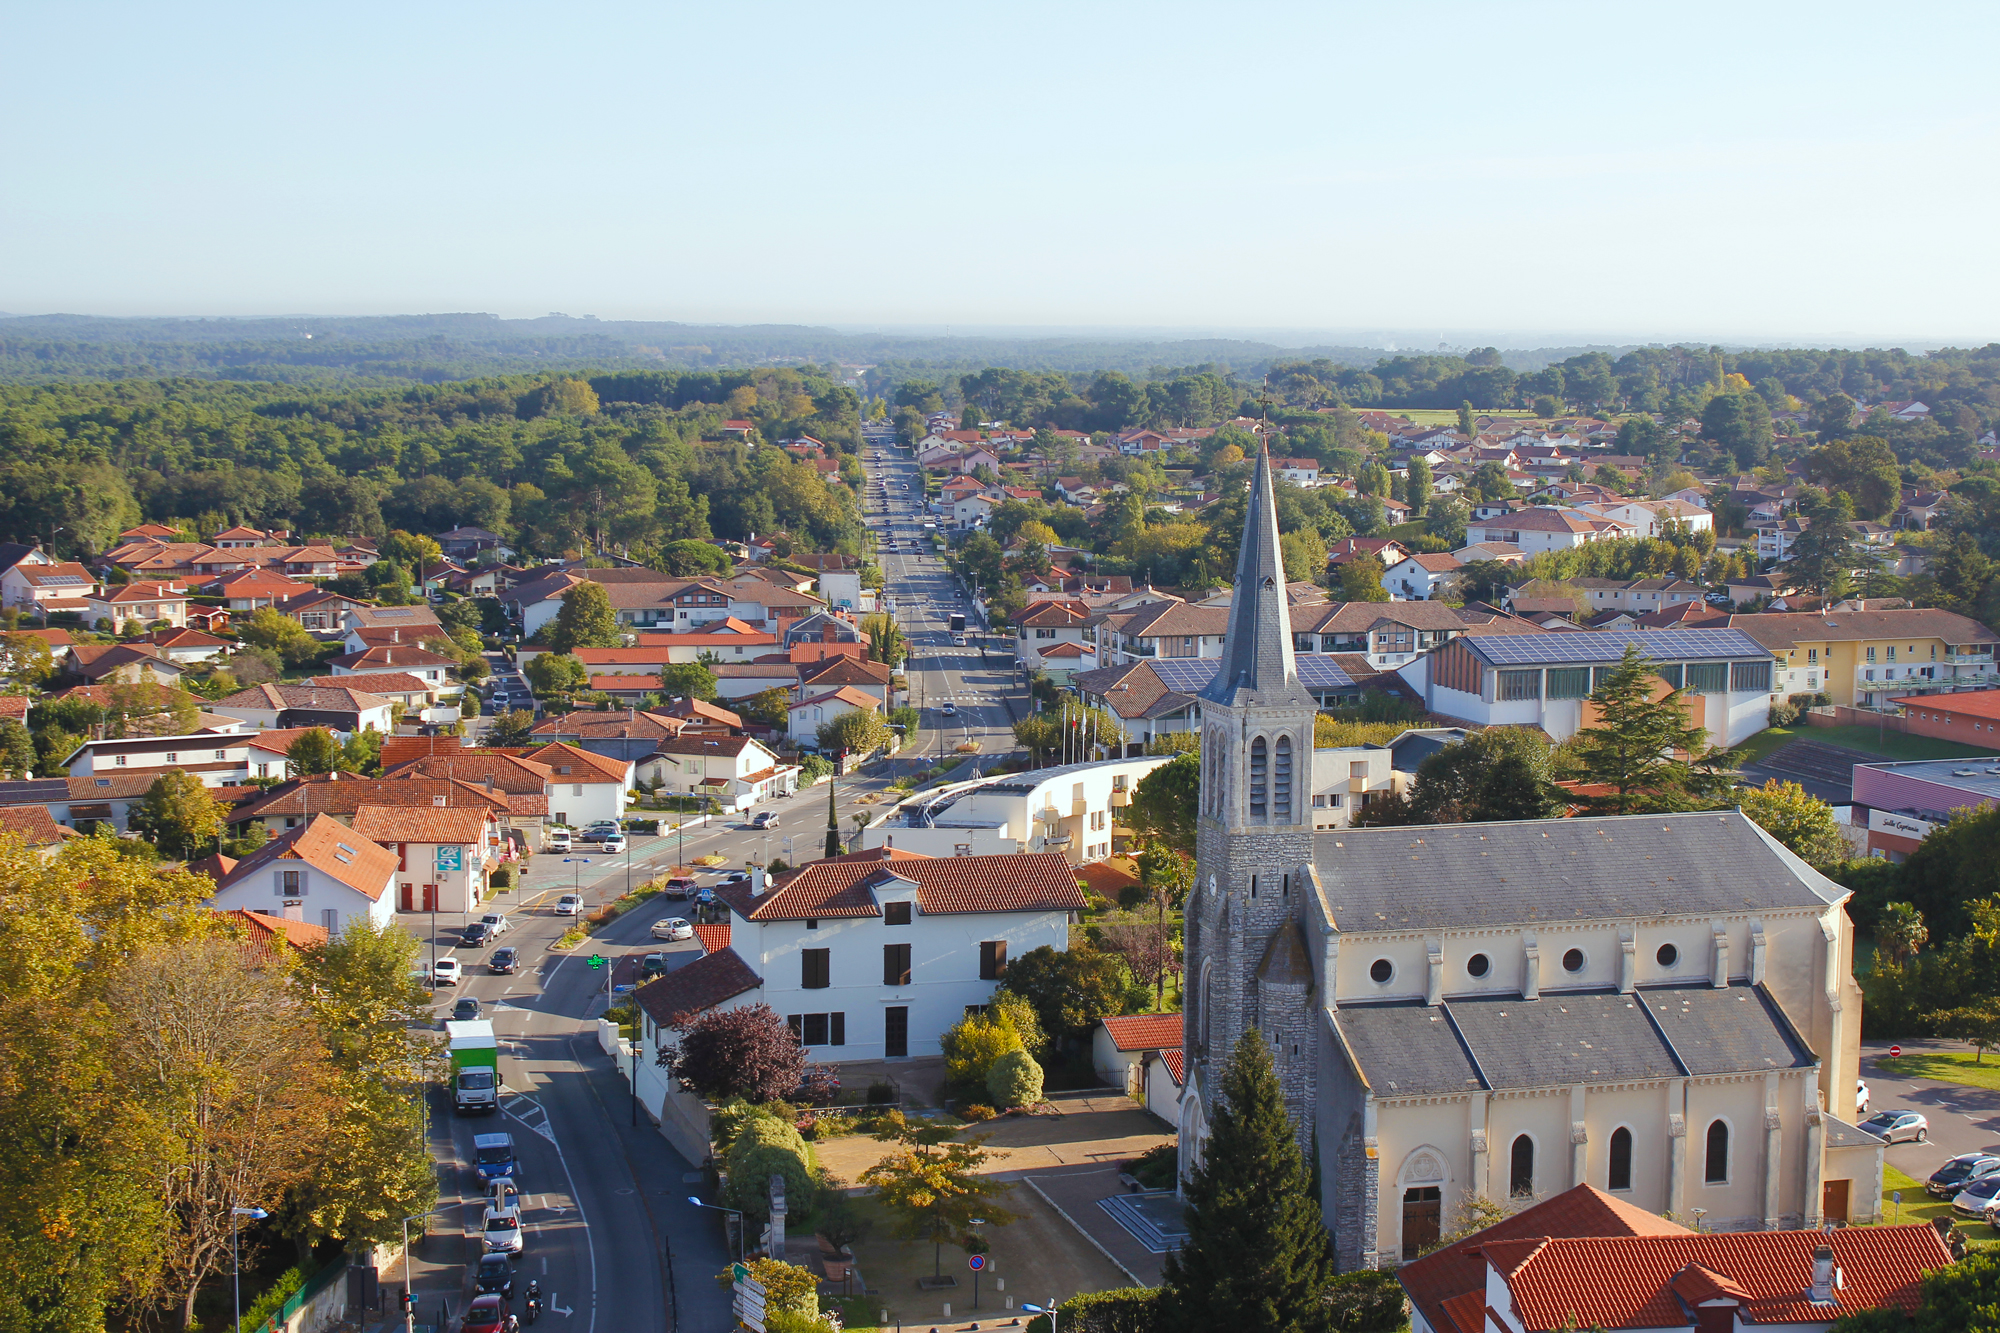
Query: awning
point(97, 811)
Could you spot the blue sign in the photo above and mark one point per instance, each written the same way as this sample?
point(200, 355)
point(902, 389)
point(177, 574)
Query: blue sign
point(450, 860)
point(975, 1262)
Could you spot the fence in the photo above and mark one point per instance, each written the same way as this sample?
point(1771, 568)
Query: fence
point(1840, 715)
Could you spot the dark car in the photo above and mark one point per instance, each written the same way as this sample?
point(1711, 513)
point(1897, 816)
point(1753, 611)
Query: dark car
point(486, 1314)
point(504, 959)
point(466, 1009)
point(496, 1274)
point(652, 965)
point(475, 935)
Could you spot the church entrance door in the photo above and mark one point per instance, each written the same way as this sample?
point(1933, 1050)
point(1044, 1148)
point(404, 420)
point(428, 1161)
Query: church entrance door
point(1833, 1200)
point(1423, 1211)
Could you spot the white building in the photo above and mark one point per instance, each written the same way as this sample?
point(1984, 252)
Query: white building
point(1068, 809)
point(873, 955)
point(736, 770)
point(321, 872)
point(443, 853)
point(1419, 577)
point(1544, 529)
point(808, 715)
point(1121, 1045)
point(584, 787)
point(219, 759)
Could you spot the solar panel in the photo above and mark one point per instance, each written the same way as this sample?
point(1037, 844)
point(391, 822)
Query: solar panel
point(1609, 645)
point(1189, 675)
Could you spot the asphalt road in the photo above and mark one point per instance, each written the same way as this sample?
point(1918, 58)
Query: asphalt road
point(1961, 1119)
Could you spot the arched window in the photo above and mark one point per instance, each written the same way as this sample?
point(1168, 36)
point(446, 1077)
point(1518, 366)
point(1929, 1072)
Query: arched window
point(1259, 778)
point(1281, 782)
point(1521, 1171)
point(1717, 1167)
point(1621, 1159)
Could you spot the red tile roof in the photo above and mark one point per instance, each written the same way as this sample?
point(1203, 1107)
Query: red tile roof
point(837, 887)
point(15, 706)
point(1145, 1032)
point(701, 984)
point(714, 939)
point(1171, 1058)
point(265, 930)
point(1973, 703)
point(328, 846)
point(33, 823)
point(443, 824)
point(566, 763)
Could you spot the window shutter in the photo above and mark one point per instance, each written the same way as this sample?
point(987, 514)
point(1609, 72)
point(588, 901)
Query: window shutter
point(837, 1030)
point(278, 882)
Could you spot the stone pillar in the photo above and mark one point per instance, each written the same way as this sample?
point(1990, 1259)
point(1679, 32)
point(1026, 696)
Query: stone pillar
point(1774, 1146)
point(1477, 1182)
point(1531, 969)
point(1676, 1146)
point(1815, 1171)
point(1434, 986)
point(1628, 954)
point(1579, 1137)
point(777, 1217)
point(1756, 953)
point(1720, 976)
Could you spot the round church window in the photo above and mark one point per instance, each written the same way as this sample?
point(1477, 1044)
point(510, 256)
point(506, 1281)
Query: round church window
point(1380, 971)
point(1668, 955)
point(1478, 965)
point(1573, 961)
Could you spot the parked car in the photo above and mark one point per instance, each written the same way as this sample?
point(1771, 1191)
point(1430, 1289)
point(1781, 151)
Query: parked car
point(488, 1311)
point(1959, 1172)
point(1977, 1199)
point(503, 1230)
point(1860, 1097)
point(958, 640)
point(474, 935)
point(672, 928)
point(445, 972)
point(495, 1276)
point(504, 960)
point(556, 840)
point(570, 904)
point(495, 922)
point(614, 841)
point(680, 886)
point(735, 877)
point(597, 826)
point(765, 819)
point(652, 965)
point(1896, 1126)
point(466, 1009)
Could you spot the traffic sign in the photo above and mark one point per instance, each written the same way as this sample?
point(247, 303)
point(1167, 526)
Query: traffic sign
point(741, 1272)
point(975, 1262)
point(1895, 1052)
point(596, 960)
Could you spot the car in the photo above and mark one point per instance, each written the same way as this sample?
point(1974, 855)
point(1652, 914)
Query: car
point(958, 640)
point(949, 710)
point(672, 928)
point(1860, 1097)
point(735, 877)
point(496, 922)
point(504, 960)
point(570, 904)
point(466, 1009)
point(556, 840)
point(1977, 1199)
point(488, 1311)
point(474, 935)
point(599, 826)
point(1960, 1171)
point(503, 1230)
point(613, 841)
point(680, 886)
point(494, 1276)
point(652, 965)
point(1897, 1126)
point(444, 972)
point(765, 819)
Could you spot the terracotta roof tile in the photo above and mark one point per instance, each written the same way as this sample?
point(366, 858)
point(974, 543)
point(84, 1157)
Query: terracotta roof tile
point(33, 823)
point(1171, 1058)
point(714, 938)
point(1145, 1032)
point(265, 930)
point(343, 794)
point(447, 824)
point(701, 984)
point(581, 765)
point(1037, 881)
point(326, 845)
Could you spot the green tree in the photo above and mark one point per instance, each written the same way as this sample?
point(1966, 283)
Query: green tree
point(585, 621)
point(1800, 820)
point(1497, 774)
point(687, 558)
point(886, 641)
point(1417, 488)
point(1741, 424)
point(17, 750)
point(1977, 1025)
point(971, 1045)
point(26, 659)
point(513, 727)
point(1305, 555)
point(1901, 934)
point(555, 674)
point(180, 815)
point(1466, 426)
point(1015, 1080)
point(1071, 989)
point(859, 731)
point(315, 752)
point(772, 707)
point(1256, 1255)
point(266, 628)
point(411, 550)
point(932, 1184)
point(1361, 580)
point(1825, 554)
point(690, 680)
point(146, 708)
point(1164, 803)
point(1644, 749)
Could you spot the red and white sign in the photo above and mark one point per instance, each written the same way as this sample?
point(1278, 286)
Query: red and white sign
point(1895, 1052)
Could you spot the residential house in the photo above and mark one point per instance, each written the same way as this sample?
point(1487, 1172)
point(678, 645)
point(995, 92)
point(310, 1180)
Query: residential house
point(824, 627)
point(248, 589)
point(245, 538)
point(444, 854)
point(1387, 634)
point(82, 803)
point(319, 612)
point(1120, 1047)
point(1047, 625)
point(872, 956)
point(1920, 509)
point(367, 626)
point(1505, 552)
point(1070, 809)
point(1386, 549)
point(470, 543)
point(36, 829)
point(341, 709)
point(1651, 518)
point(808, 715)
point(319, 872)
point(1142, 702)
point(583, 787)
point(338, 796)
point(1544, 680)
point(1544, 529)
point(396, 660)
point(1863, 659)
point(871, 678)
point(38, 586)
point(625, 734)
point(1776, 536)
point(145, 602)
point(734, 684)
point(1158, 629)
point(1636, 595)
point(1745, 589)
point(187, 645)
point(972, 511)
point(1420, 577)
point(625, 689)
point(737, 771)
point(1298, 471)
point(120, 663)
point(397, 687)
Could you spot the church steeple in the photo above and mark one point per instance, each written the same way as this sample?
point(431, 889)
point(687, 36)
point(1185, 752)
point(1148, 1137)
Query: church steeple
point(1258, 667)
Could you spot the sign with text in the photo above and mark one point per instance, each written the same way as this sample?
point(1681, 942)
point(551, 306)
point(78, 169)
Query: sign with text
point(1906, 826)
point(450, 860)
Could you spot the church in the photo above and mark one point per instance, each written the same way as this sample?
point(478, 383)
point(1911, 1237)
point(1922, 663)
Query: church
point(1659, 1006)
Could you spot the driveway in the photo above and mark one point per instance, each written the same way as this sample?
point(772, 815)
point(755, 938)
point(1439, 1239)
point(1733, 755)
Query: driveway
point(1962, 1119)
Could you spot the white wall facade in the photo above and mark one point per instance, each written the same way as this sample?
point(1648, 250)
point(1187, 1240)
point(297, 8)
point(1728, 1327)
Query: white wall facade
point(1069, 810)
point(323, 900)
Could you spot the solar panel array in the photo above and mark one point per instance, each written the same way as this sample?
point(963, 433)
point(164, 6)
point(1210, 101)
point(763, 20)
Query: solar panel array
point(60, 580)
point(1664, 645)
point(1189, 675)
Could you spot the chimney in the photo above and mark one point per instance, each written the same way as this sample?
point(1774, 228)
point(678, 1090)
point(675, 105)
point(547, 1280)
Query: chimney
point(389, 655)
point(757, 887)
point(395, 636)
point(1822, 1274)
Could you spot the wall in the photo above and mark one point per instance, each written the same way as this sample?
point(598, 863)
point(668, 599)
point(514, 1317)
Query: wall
point(1937, 720)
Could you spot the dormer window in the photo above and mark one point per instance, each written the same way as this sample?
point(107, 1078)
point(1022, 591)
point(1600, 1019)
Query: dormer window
point(896, 914)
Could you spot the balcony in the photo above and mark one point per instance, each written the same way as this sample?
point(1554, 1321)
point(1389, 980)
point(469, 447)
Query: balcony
point(1078, 807)
point(1119, 799)
point(1137, 649)
point(1970, 659)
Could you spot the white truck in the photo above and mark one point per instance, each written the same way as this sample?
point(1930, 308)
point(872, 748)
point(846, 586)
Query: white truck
point(475, 1066)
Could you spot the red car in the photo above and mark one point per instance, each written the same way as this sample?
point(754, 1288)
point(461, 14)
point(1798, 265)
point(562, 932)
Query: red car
point(486, 1314)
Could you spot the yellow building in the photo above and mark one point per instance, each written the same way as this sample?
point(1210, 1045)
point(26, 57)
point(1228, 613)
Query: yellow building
point(1864, 658)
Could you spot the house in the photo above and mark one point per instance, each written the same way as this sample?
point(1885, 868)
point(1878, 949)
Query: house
point(341, 709)
point(1386, 549)
point(1047, 625)
point(1070, 809)
point(734, 683)
point(318, 872)
point(443, 854)
point(366, 626)
point(469, 543)
point(248, 589)
point(1544, 680)
point(1635, 595)
point(38, 585)
point(147, 602)
point(1144, 705)
point(1388, 634)
point(1920, 509)
point(243, 538)
point(1158, 629)
point(1776, 536)
point(1120, 1047)
point(187, 645)
point(82, 803)
point(873, 955)
point(1420, 577)
point(120, 663)
point(824, 627)
point(808, 715)
point(319, 612)
point(628, 734)
point(1862, 659)
point(1162, 1079)
point(1745, 589)
point(264, 935)
point(701, 716)
point(583, 787)
point(338, 796)
point(523, 784)
point(1544, 529)
point(972, 511)
point(36, 828)
point(398, 687)
point(872, 678)
point(1505, 552)
point(737, 771)
point(625, 689)
point(1064, 662)
point(433, 669)
point(1298, 471)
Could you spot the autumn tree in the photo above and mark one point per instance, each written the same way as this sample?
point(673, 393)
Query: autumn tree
point(933, 1185)
point(179, 813)
point(744, 1052)
point(266, 627)
point(1361, 580)
point(1800, 820)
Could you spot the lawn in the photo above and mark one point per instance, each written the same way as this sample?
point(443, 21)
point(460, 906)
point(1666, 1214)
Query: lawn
point(1448, 416)
point(1947, 1067)
point(1868, 740)
point(1918, 1206)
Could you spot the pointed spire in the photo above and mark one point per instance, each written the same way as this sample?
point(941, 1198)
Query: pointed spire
point(1257, 651)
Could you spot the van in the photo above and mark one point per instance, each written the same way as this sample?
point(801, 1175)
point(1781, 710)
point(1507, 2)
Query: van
point(557, 840)
point(493, 1157)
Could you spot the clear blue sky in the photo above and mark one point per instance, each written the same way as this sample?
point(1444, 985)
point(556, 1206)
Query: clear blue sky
point(1741, 170)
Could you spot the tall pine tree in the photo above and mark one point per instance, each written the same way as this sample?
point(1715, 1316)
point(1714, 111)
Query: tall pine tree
point(832, 822)
point(1645, 750)
point(1256, 1258)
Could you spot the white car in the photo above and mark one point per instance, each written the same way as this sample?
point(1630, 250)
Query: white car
point(672, 928)
point(614, 841)
point(556, 840)
point(569, 904)
point(1860, 1097)
point(503, 1230)
point(496, 923)
point(445, 972)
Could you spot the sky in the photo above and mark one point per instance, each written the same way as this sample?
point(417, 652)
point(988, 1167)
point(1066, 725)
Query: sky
point(1746, 171)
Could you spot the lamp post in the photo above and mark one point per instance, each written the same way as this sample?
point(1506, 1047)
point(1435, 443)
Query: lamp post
point(1049, 1310)
point(409, 1304)
point(733, 1213)
point(235, 1255)
point(573, 875)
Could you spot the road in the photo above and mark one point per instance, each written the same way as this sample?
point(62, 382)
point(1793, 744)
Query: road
point(1962, 1119)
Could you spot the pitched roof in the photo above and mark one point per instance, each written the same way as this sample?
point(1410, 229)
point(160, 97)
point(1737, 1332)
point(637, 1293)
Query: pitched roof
point(1105, 879)
point(615, 724)
point(567, 763)
point(1144, 1032)
point(325, 698)
point(378, 683)
point(846, 694)
point(844, 670)
point(1458, 1269)
point(714, 937)
point(701, 709)
point(1171, 1058)
point(264, 930)
point(325, 845)
point(447, 824)
point(701, 984)
point(1782, 629)
point(729, 746)
point(383, 656)
point(837, 887)
point(343, 794)
point(33, 823)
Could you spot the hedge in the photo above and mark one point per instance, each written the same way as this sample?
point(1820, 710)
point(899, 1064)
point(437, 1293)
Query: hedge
point(1120, 1310)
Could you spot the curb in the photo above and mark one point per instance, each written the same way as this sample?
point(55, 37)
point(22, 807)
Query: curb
point(1029, 1181)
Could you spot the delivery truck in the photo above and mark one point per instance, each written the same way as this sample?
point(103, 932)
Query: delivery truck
point(475, 1067)
point(958, 622)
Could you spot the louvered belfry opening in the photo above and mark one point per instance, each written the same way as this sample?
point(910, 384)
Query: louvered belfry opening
point(1260, 763)
point(1281, 782)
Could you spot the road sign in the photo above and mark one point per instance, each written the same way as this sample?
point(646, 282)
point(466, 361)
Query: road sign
point(741, 1272)
point(975, 1262)
point(1895, 1052)
point(596, 960)
point(450, 859)
point(748, 1305)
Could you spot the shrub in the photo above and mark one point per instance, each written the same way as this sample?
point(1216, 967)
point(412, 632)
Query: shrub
point(881, 1093)
point(820, 1086)
point(1120, 1310)
point(789, 1290)
point(1368, 1300)
point(260, 1311)
point(763, 1147)
point(973, 1044)
point(1156, 1167)
point(1783, 715)
point(503, 877)
point(1015, 1080)
point(976, 1113)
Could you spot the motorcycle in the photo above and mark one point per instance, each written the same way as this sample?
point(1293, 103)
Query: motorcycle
point(534, 1302)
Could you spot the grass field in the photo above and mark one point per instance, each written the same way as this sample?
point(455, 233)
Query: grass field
point(1868, 740)
point(1948, 1067)
point(1918, 1206)
point(1448, 416)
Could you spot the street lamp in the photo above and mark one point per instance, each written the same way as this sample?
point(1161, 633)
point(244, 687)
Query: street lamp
point(1049, 1310)
point(577, 861)
point(235, 1255)
point(409, 1305)
point(733, 1213)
